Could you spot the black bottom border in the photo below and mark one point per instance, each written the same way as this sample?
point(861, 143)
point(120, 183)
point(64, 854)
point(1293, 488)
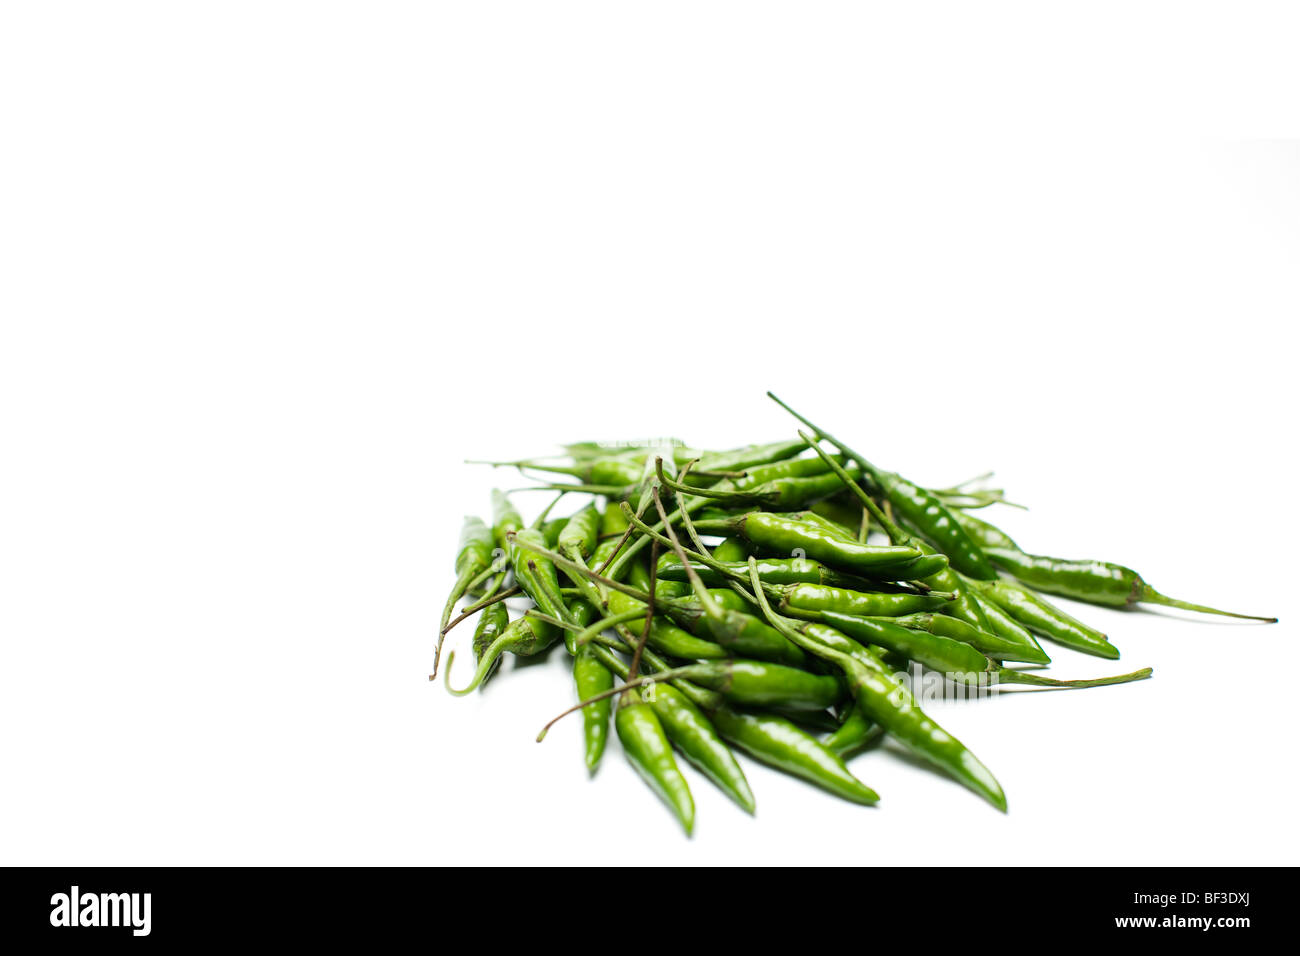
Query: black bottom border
point(914, 904)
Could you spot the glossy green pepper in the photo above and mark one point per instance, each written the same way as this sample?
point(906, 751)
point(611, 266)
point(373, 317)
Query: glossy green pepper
point(1047, 620)
point(731, 549)
point(649, 751)
point(1096, 582)
point(577, 542)
point(984, 533)
point(591, 678)
point(473, 559)
point(775, 494)
point(776, 571)
point(604, 551)
point(780, 743)
point(750, 456)
point(809, 600)
point(493, 620)
point(552, 529)
point(506, 520)
point(780, 470)
point(994, 645)
point(639, 575)
point(537, 576)
point(833, 528)
point(612, 522)
point(841, 510)
point(760, 684)
point(580, 534)
point(524, 637)
point(777, 533)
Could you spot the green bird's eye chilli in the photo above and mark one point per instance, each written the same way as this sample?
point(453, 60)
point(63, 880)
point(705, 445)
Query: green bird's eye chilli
point(648, 750)
point(506, 520)
point(731, 549)
point(1046, 620)
point(524, 637)
point(795, 638)
point(996, 646)
point(1095, 582)
point(774, 494)
point(537, 575)
point(591, 678)
point(493, 621)
point(775, 571)
point(986, 534)
point(473, 558)
point(809, 600)
point(782, 535)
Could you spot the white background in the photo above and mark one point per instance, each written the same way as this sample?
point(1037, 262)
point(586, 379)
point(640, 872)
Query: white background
point(270, 271)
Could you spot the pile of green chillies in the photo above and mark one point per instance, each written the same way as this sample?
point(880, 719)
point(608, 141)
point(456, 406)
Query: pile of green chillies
point(792, 635)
